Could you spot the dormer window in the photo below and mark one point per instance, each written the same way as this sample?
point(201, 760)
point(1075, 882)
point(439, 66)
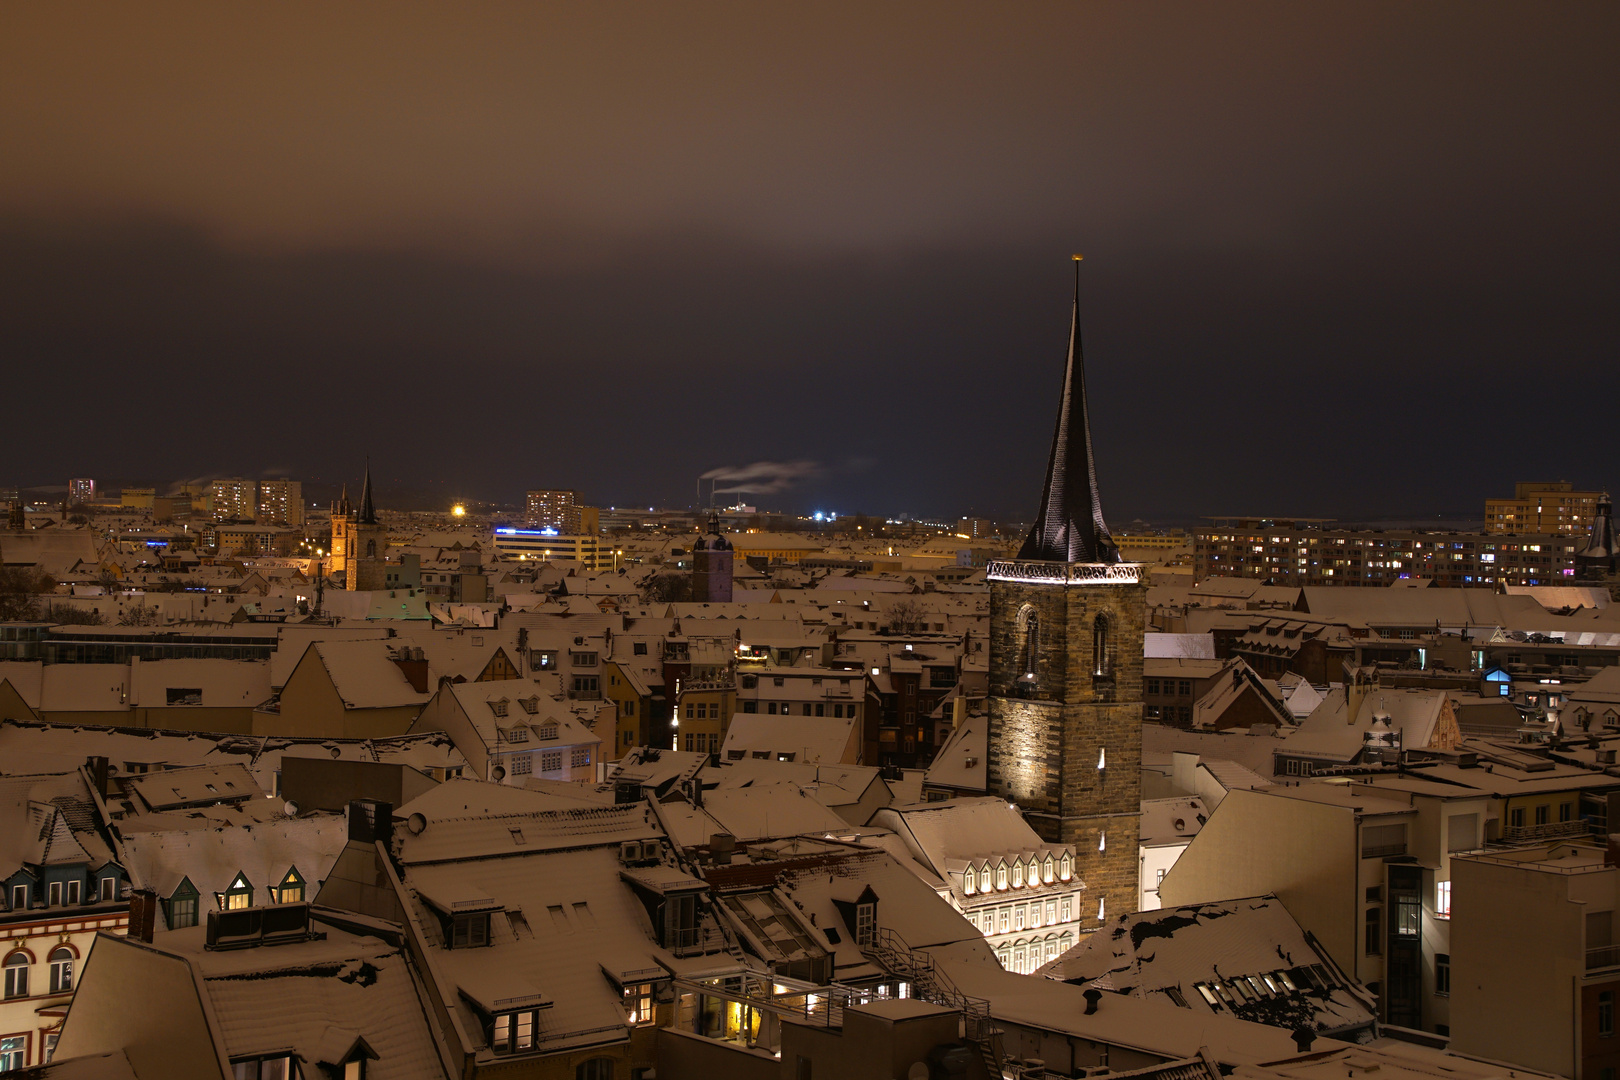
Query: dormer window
point(182, 905)
point(1063, 868)
point(984, 879)
point(1001, 876)
point(547, 732)
point(1017, 874)
point(967, 881)
point(1046, 871)
point(291, 889)
point(271, 1067)
point(469, 931)
point(238, 896)
point(498, 707)
point(530, 705)
point(518, 734)
point(514, 1032)
point(865, 923)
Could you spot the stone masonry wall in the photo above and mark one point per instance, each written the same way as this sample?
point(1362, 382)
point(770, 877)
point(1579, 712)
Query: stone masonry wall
point(1047, 738)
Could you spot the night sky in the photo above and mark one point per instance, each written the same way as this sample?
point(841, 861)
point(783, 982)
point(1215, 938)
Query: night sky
point(1341, 260)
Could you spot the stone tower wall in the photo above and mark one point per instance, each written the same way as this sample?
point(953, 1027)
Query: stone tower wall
point(1047, 737)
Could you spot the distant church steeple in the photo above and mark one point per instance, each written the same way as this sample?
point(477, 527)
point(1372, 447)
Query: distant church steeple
point(1070, 527)
point(368, 511)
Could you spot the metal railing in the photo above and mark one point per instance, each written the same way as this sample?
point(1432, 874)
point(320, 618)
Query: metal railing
point(1604, 956)
point(1551, 830)
point(696, 941)
point(929, 983)
point(1057, 573)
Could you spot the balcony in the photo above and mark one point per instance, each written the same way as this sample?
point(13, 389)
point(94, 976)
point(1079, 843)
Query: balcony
point(696, 941)
point(1604, 956)
point(1552, 830)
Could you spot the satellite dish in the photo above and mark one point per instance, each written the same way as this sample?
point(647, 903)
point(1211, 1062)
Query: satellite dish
point(498, 773)
point(416, 823)
point(918, 1071)
point(337, 751)
point(289, 808)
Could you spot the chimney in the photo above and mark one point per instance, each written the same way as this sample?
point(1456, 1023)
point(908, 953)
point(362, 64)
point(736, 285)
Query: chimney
point(1092, 996)
point(96, 767)
point(1303, 1038)
point(143, 906)
point(414, 666)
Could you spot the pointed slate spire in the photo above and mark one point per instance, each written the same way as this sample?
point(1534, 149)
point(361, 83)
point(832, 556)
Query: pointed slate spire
point(368, 512)
point(1599, 556)
point(1070, 526)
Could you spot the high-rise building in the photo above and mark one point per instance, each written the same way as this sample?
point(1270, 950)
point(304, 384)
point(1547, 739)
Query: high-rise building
point(235, 499)
point(81, 490)
point(1066, 632)
point(281, 502)
point(1542, 509)
point(555, 509)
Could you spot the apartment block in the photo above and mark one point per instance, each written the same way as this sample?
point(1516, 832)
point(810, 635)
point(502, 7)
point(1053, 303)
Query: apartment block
point(1300, 551)
point(1542, 509)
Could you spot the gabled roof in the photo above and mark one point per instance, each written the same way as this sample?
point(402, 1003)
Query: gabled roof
point(365, 675)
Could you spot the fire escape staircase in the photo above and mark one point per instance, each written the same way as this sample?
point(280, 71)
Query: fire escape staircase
point(928, 983)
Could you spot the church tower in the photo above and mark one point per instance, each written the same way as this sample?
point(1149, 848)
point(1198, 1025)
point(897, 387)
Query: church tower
point(359, 541)
point(711, 566)
point(1066, 629)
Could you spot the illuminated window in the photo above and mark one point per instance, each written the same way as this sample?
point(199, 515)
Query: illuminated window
point(1102, 659)
point(638, 1004)
point(1047, 870)
point(1442, 899)
point(513, 1032)
point(291, 890)
point(1017, 874)
point(1001, 876)
point(239, 895)
point(984, 879)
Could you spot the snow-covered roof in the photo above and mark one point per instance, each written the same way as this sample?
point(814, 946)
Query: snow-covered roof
point(1251, 954)
point(790, 738)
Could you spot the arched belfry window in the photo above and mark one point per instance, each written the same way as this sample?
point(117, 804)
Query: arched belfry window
point(1029, 642)
point(1102, 648)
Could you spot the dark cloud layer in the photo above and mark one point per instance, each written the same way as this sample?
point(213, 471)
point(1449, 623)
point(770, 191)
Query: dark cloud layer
point(1339, 260)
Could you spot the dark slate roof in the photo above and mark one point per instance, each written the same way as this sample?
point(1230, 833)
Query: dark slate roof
point(368, 512)
point(1599, 548)
point(1070, 526)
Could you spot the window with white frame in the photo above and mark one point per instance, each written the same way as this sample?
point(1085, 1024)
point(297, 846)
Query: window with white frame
point(1442, 899)
point(522, 764)
point(17, 975)
point(551, 761)
point(865, 923)
point(13, 1052)
point(61, 970)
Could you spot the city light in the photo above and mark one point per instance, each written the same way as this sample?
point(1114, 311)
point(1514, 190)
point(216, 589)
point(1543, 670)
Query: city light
point(458, 510)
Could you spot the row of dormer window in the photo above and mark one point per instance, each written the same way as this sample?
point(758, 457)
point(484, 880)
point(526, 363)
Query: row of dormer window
point(1017, 874)
point(22, 896)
